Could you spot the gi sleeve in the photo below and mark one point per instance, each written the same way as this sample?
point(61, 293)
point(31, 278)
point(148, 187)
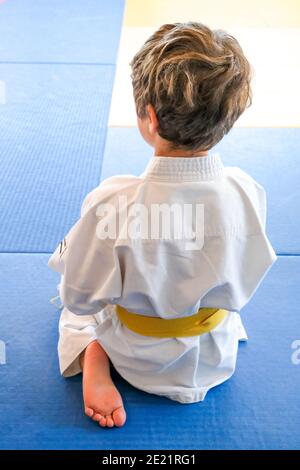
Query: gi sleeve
point(89, 266)
point(241, 259)
point(249, 258)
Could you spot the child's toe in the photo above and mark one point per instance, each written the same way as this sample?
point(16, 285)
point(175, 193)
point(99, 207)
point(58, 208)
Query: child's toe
point(89, 412)
point(97, 417)
point(109, 421)
point(119, 416)
point(102, 422)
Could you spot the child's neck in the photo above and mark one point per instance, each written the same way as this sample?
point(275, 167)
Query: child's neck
point(166, 152)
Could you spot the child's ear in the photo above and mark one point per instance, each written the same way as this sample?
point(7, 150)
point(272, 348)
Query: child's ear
point(153, 122)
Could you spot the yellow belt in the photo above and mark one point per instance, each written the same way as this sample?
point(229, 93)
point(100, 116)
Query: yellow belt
point(202, 322)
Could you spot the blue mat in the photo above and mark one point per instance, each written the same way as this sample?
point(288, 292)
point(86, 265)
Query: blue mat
point(258, 408)
point(60, 31)
point(57, 63)
point(53, 129)
point(270, 155)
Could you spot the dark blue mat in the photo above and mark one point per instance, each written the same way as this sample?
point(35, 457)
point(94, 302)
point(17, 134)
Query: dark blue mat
point(270, 155)
point(52, 130)
point(60, 31)
point(258, 408)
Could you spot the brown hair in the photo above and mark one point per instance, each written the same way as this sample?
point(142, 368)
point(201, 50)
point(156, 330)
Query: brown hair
point(197, 80)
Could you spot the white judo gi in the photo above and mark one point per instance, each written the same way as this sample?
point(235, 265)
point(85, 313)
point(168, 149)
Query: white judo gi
point(161, 277)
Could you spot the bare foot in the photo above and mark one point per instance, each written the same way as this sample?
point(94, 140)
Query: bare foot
point(102, 401)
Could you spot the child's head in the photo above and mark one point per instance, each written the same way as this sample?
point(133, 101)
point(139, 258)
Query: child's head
point(190, 84)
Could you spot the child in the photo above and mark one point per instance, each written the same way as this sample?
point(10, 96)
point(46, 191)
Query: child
point(164, 307)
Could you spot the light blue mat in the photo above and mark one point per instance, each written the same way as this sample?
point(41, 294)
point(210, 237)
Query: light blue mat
point(269, 155)
point(60, 30)
point(258, 408)
point(53, 129)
